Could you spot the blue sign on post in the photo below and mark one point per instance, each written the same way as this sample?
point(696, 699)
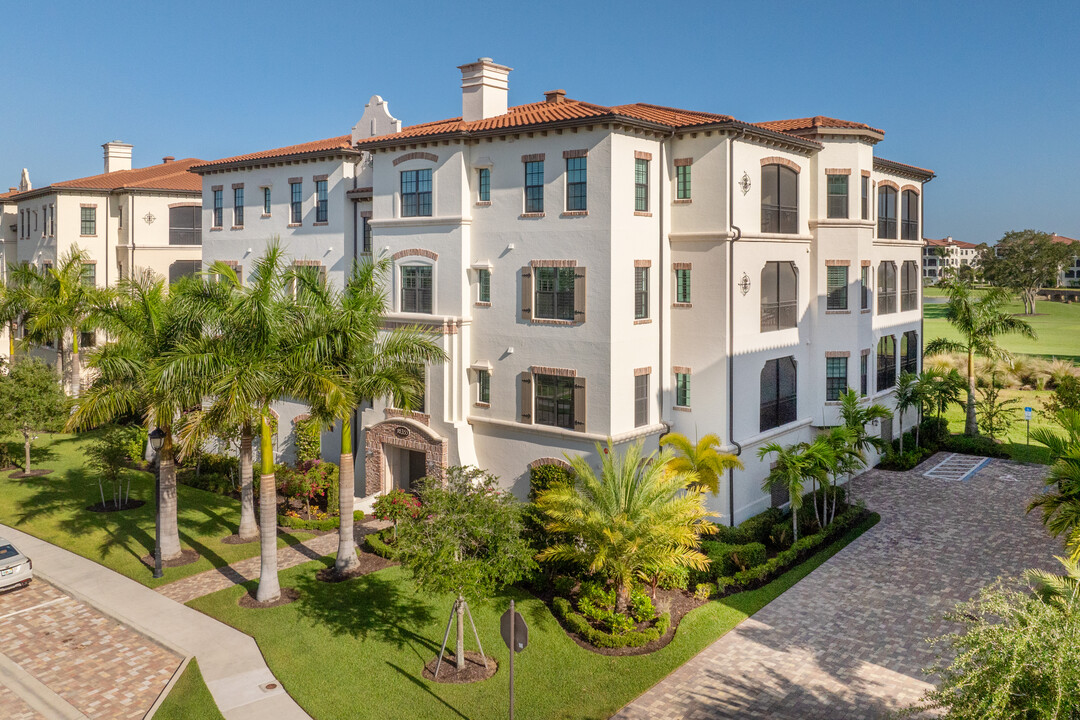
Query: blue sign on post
point(1027, 413)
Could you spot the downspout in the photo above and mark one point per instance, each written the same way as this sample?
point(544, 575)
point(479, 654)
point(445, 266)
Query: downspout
point(131, 255)
point(736, 233)
point(108, 210)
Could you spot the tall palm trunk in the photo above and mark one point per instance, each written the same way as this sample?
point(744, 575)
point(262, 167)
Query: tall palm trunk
point(971, 427)
point(76, 365)
point(61, 366)
point(170, 531)
point(794, 525)
point(248, 527)
point(269, 589)
point(346, 553)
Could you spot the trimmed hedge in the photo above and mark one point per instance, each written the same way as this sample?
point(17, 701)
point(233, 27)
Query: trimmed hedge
point(330, 523)
point(755, 529)
point(576, 623)
point(376, 543)
point(727, 559)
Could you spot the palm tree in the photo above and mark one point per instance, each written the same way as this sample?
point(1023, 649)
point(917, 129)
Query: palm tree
point(906, 396)
point(847, 460)
point(703, 459)
point(1061, 591)
point(795, 465)
point(257, 356)
point(940, 389)
point(856, 416)
point(145, 325)
point(979, 320)
point(629, 519)
point(1059, 446)
point(1060, 502)
point(376, 363)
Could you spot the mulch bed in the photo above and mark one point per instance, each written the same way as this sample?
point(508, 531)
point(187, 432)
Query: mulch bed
point(31, 474)
point(474, 670)
point(369, 563)
point(288, 595)
point(186, 557)
point(110, 506)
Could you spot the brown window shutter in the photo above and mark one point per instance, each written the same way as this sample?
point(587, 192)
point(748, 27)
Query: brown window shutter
point(526, 293)
point(579, 295)
point(526, 397)
point(579, 404)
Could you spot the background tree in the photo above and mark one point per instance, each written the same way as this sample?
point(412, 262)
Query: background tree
point(702, 458)
point(996, 415)
point(631, 518)
point(109, 456)
point(466, 543)
point(31, 401)
point(1024, 261)
point(979, 319)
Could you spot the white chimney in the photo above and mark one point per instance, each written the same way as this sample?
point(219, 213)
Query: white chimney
point(24, 181)
point(117, 156)
point(484, 88)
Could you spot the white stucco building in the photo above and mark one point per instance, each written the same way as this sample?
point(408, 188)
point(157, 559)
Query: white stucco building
point(946, 253)
point(602, 272)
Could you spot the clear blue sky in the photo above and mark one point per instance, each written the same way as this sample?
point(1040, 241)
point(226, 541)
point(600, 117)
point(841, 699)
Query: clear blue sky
point(984, 93)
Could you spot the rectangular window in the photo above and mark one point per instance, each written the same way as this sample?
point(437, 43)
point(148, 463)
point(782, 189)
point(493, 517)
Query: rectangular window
point(88, 221)
point(416, 288)
point(682, 285)
point(322, 209)
point(238, 207)
point(835, 377)
point(641, 185)
point(266, 201)
point(641, 400)
point(555, 400)
point(864, 374)
point(641, 293)
point(682, 389)
point(576, 184)
point(416, 193)
point(865, 198)
point(865, 288)
point(534, 186)
point(217, 217)
point(483, 386)
point(682, 182)
point(837, 287)
point(185, 225)
point(838, 196)
point(554, 293)
point(483, 283)
point(483, 192)
point(296, 203)
point(909, 285)
point(779, 403)
point(366, 234)
point(89, 274)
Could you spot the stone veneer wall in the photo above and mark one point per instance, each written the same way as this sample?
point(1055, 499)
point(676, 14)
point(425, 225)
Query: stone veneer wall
point(402, 435)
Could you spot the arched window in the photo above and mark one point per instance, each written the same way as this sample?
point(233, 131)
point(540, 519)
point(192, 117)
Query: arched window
point(779, 296)
point(779, 199)
point(779, 400)
point(909, 352)
point(909, 215)
point(886, 363)
point(886, 223)
point(909, 285)
point(886, 288)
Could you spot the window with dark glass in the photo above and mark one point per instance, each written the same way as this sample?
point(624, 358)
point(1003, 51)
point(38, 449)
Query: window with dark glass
point(483, 386)
point(89, 274)
point(296, 203)
point(576, 184)
point(909, 215)
point(416, 193)
point(864, 374)
point(641, 400)
point(554, 293)
point(483, 189)
point(835, 377)
point(909, 352)
point(416, 288)
point(886, 212)
point(682, 182)
point(534, 186)
point(641, 185)
point(88, 221)
point(219, 208)
point(483, 290)
point(266, 201)
point(909, 285)
point(682, 389)
point(779, 199)
point(865, 287)
point(779, 296)
point(778, 393)
point(886, 363)
point(554, 400)
point(682, 285)
point(886, 279)
point(238, 207)
point(321, 202)
point(838, 196)
point(182, 268)
point(185, 225)
point(837, 287)
point(366, 234)
point(641, 293)
point(865, 198)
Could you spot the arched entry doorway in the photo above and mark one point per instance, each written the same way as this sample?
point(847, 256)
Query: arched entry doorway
point(400, 451)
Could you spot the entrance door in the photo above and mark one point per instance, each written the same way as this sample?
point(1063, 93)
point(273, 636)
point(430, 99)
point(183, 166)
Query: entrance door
point(404, 467)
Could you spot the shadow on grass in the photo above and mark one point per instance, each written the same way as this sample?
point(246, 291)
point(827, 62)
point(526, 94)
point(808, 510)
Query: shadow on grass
point(423, 686)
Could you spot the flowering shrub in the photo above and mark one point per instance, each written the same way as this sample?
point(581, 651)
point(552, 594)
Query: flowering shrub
point(396, 505)
point(312, 480)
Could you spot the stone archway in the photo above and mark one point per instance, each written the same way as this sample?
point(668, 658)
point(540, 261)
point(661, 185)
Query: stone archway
point(394, 435)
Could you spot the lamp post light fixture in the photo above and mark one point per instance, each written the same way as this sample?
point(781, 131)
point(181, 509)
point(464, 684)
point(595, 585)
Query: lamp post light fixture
point(157, 439)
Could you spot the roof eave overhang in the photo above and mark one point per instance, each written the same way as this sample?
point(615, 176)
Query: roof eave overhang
point(826, 133)
point(909, 171)
point(208, 168)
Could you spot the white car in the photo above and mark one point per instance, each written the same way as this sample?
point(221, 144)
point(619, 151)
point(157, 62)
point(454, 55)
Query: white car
point(15, 568)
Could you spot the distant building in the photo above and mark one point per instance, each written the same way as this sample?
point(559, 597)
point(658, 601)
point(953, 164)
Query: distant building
point(1070, 273)
point(946, 253)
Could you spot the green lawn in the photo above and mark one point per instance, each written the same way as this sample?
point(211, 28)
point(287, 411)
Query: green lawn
point(52, 507)
point(1017, 438)
point(356, 649)
point(189, 698)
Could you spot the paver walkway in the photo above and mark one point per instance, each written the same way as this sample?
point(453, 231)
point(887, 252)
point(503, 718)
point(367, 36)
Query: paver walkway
point(848, 640)
point(289, 556)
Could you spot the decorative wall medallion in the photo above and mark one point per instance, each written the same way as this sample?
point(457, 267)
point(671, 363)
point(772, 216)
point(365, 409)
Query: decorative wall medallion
point(745, 183)
point(401, 432)
point(149, 218)
point(744, 283)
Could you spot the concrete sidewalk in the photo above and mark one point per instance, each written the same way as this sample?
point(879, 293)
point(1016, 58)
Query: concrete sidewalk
point(230, 661)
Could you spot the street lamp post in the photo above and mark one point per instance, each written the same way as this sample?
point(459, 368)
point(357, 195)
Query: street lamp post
point(157, 439)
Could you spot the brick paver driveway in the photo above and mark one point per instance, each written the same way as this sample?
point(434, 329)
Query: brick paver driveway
point(848, 640)
point(91, 663)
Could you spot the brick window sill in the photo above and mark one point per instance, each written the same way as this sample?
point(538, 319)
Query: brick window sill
point(865, 312)
point(292, 225)
point(553, 321)
point(483, 203)
point(681, 408)
point(216, 229)
point(683, 201)
point(575, 213)
point(682, 305)
point(482, 405)
point(638, 213)
point(524, 216)
point(837, 312)
point(643, 321)
point(320, 224)
point(481, 303)
point(264, 215)
point(94, 236)
point(237, 227)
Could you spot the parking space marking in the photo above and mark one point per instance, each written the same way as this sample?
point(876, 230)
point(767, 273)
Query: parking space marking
point(35, 607)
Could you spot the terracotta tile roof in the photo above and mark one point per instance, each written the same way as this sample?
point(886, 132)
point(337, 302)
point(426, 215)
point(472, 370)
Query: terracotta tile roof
point(672, 117)
point(948, 242)
point(8, 194)
point(1053, 236)
point(903, 166)
point(342, 142)
point(173, 175)
point(818, 121)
